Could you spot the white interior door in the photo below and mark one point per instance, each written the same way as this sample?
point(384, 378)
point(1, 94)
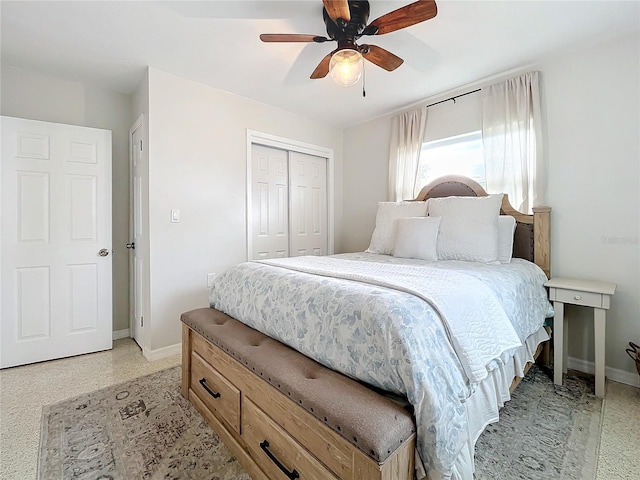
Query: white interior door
point(137, 232)
point(308, 204)
point(56, 241)
point(270, 202)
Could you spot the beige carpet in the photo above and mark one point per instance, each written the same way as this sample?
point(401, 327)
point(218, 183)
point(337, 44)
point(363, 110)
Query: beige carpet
point(144, 429)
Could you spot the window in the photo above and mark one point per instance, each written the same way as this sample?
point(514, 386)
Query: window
point(459, 155)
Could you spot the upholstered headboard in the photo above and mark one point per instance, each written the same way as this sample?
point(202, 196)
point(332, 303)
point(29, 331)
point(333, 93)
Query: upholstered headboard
point(532, 235)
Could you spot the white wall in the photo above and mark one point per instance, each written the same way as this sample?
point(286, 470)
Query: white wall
point(366, 180)
point(31, 95)
point(592, 98)
point(197, 163)
point(590, 101)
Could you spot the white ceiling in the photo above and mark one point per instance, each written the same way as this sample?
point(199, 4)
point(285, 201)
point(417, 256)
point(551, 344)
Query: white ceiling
point(109, 44)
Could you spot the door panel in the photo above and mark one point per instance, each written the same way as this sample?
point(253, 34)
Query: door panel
point(33, 206)
point(32, 146)
point(308, 179)
point(56, 216)
point(83, 152)
point(84, 294)
point(84, 214)
point(270, 197)
point(34, 314)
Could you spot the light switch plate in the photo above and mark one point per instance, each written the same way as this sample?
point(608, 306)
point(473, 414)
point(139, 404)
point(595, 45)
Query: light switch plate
point(175, 215)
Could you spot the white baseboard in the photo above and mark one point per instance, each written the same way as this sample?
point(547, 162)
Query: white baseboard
point(163, 352)
point(118, 334)
point(622, 376)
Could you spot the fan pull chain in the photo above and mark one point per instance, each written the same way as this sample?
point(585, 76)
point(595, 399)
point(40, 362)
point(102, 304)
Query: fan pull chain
point(364, 93)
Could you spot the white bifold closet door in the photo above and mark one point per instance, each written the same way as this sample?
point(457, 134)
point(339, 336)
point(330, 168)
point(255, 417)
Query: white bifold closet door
point(289, 203)
point(307, 204)
point(55, 295)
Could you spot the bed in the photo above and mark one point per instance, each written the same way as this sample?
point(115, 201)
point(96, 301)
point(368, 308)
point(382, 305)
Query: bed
point(411, 328)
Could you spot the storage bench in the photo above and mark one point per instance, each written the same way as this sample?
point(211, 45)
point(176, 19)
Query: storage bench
point(284, 415)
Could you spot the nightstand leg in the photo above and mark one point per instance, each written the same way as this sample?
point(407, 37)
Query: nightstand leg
point(558, 342)
point(599, 333)
point(565, 341)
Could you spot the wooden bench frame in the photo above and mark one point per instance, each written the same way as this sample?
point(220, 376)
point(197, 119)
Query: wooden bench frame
point(336, 454)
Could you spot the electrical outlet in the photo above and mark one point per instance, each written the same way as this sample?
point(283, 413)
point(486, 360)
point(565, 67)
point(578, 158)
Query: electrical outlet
point(210, 278)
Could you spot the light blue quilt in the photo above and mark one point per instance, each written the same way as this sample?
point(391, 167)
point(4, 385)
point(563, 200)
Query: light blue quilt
point(427, 330)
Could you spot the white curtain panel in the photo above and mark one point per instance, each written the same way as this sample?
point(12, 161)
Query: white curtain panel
point(512, 141)
point(407, 134)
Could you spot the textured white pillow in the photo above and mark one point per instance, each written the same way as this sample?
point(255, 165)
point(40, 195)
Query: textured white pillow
point(383, 236)
point(417, 237)
point(506, 229)
point(469, 227)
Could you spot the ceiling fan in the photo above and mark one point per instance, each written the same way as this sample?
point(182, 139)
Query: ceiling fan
point(346, 21)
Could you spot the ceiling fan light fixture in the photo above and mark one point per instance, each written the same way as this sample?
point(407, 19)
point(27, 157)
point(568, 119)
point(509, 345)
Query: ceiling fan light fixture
point(346, 67)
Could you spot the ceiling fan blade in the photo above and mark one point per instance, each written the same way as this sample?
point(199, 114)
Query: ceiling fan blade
point(323, 67)
point(406, 16)
point(381, 57)
point(337, 9)
point(291, 37)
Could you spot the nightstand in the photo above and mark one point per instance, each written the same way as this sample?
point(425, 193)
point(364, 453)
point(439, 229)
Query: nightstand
point(587, 294)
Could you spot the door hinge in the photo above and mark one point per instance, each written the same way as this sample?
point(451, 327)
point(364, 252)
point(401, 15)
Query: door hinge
point(141, 321)
point(140, 145)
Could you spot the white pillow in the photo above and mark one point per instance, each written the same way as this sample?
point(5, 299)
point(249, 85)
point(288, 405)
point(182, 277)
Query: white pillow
point(469, 227)
point(417, 237)
point(383, 236)
point(506, 229)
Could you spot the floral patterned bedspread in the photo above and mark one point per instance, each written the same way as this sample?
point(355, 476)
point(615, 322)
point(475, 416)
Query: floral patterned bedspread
point(385, 336)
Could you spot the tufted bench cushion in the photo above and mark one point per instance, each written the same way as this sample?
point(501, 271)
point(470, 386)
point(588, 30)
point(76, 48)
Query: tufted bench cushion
point(372, 422)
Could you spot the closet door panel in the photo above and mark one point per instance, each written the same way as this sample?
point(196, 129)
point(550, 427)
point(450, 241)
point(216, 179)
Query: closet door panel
point(308, 204)
point(270, 202)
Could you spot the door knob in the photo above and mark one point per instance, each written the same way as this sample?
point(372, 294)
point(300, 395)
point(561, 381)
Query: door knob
point(103, 252)
point(131, 246)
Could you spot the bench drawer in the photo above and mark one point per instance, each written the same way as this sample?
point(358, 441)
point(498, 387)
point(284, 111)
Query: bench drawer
point(220, 396)
point(277, 453)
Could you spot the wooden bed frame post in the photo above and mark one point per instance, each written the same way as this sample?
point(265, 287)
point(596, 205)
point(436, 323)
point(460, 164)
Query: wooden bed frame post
point(542, 258)
point(541, 238)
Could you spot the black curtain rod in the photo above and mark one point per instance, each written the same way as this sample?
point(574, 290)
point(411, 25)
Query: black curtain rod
point(454, 97)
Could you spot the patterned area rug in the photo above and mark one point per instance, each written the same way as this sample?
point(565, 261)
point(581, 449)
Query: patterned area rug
point(144, 429)
point(545, 432)
point(141, 429)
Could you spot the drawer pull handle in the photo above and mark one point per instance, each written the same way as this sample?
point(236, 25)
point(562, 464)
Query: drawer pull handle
point(577, 297)
point(292, 475)
point(203, 382)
